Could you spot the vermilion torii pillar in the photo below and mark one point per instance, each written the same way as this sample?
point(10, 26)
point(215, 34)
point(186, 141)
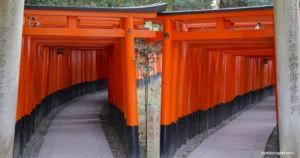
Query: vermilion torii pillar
point(166, 120)
point(11, 22)
point(287, 24)
point(130, 89)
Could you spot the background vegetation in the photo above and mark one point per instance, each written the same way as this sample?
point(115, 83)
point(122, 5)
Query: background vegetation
point(174, 5)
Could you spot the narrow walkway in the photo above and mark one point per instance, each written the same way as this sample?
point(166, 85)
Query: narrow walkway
point(76, 132)
point(244, 137)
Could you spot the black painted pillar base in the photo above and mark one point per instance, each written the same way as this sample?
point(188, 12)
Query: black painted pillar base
point(132, 134)
point(173, 136)
point(129, 134)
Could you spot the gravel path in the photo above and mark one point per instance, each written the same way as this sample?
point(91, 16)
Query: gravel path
point(114, 140)
point(273, 144)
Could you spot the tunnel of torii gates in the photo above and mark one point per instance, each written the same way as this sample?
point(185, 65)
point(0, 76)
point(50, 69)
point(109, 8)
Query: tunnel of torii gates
point(213, 64)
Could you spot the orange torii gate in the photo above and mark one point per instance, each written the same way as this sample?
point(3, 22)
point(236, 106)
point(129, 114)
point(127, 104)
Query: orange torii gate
point(215, 62)
point(228, 63)
point(85, 49)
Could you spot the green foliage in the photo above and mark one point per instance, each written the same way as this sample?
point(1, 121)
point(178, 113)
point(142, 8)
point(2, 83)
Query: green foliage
point(146, 54)
point(86, 3)
point(260, 2)
point(243, 3)
point(192, 4)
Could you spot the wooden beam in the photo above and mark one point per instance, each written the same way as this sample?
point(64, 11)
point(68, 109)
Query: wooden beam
point(251, 51)
point(158, 37)
point(65, 38)
point(251, 54)
point(246, 51)
point(262, 19)
point(242, 48)
point(144, 34)
point(254, 55)
point(74, 41)
point(222, 24)
point(234, 25)
point(76, 45)
point(85, 32)
point(233, 46)
point(88, 48)
point(233, 41)
point(225, 34)
point(72, 22)
point(73, 32)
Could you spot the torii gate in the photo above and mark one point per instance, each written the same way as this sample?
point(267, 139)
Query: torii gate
point(77, 27)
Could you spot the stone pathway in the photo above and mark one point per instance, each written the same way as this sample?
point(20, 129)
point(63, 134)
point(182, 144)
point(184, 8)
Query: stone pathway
point(76, 131)
point(244, 137)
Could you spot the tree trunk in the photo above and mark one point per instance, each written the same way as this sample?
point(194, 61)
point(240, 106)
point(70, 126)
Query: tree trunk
point(222, 4)
point(146, 79)
point(146, 111)
point(109, 4)
point(11, 23)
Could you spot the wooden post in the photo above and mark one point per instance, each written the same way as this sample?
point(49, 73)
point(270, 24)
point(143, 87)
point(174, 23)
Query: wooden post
point(166, 118)
point(130, 89)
